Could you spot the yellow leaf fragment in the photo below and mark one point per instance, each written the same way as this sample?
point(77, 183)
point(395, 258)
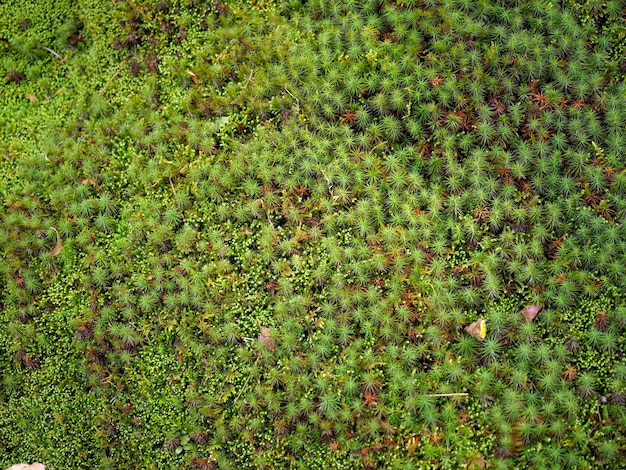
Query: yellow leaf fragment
point(478, 329)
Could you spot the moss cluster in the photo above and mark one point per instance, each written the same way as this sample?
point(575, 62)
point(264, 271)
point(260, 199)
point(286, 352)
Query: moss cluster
point(275, 222)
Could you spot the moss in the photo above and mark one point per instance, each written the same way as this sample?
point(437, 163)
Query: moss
point(276, 221)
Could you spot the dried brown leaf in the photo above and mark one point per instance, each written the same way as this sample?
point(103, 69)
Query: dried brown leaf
point(59, 246)
point(478, 329)
point(530, 311)
point(265, 339)
point(25, 466)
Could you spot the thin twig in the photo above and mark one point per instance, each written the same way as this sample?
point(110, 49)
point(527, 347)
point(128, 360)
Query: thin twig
point(379, 144)
point(117, 72)
point(60, 63)
point(248, 80)
point(296, 99)
point(266, 213)
point(247, 380)
point(328, 181)
point(58, 92)
point(172, 186)
point(55, 54)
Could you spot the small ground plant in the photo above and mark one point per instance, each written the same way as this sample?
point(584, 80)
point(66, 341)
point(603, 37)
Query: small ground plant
point(341, 234)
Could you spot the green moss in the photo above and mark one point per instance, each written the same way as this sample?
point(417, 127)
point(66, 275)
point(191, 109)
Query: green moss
point(276, 221)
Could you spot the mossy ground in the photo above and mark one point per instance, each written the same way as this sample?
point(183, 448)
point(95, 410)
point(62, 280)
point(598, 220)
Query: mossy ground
point(277, 220)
